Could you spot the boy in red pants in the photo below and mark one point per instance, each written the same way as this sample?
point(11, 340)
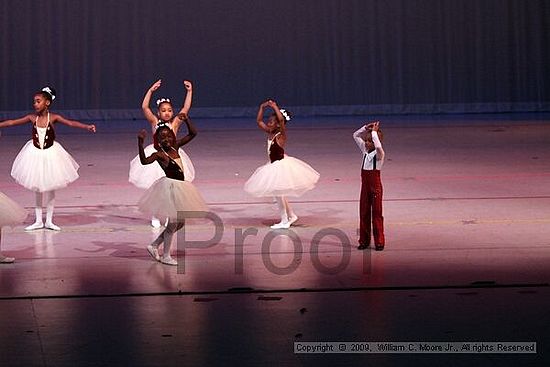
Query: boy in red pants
point(368, 139)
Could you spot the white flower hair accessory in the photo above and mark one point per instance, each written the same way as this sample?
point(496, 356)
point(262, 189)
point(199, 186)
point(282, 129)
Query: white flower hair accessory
point(162, 100)
point(285, 114)
point(49, 91)
point(162, 123)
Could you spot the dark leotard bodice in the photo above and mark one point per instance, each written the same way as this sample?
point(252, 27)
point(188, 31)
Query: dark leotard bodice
point(276, 152)
point(173, 170)
point(50, 135)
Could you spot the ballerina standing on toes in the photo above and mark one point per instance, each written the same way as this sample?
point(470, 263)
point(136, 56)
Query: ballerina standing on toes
point(284, 175)
point(43, 165)
point(171, 193)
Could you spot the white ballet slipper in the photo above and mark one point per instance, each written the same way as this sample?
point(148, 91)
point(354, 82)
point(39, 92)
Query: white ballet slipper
point(168, 260)
point(292, 219)
point(6, 259)
point(154, 252)
point(53, 227)
point(34, 226)
point(281, 225)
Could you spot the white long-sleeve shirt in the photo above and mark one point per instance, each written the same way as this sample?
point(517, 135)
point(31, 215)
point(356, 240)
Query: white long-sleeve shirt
point(374, 159)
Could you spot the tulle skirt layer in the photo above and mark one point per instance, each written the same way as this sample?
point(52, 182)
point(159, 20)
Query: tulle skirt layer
point(286, 177)
point(44, 169)
point(168, 196)
point(143, 176)
point(11, 213)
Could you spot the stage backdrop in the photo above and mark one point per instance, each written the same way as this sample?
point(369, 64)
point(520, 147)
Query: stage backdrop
point(320, 56)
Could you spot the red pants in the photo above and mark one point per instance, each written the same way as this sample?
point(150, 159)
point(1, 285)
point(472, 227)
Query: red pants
point(370, 208)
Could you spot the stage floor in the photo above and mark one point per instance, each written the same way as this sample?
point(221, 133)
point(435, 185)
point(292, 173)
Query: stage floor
point(467, 219)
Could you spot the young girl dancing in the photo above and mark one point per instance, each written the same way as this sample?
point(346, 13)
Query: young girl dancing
point(143, 176)
point(43, 165)
point(170, 193)
point(283, 176)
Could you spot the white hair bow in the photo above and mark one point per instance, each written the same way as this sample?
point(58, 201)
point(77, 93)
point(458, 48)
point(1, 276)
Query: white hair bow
point(285, 114)
point(49, 91)
point(162, 100)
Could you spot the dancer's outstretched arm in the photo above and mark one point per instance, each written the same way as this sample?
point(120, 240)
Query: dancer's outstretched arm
point(72, 123)
point(19, 121)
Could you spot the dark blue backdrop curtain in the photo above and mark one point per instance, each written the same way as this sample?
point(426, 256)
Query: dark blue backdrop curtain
point(321, 56)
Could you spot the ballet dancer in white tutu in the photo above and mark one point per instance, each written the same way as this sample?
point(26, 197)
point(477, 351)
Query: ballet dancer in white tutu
point(11, 214)
point(43, 165)
point(284, 175)
point(171, 193)
point(143, 176)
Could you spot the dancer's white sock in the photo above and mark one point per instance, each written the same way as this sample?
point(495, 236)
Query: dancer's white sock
point(37, 212)
point(282, 209)
point(292, 217)
point(50, 204)
point(283, 224)
point(168, 235)
point(155, 222)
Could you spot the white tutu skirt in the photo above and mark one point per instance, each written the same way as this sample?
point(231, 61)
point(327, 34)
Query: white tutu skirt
point(286, 177)
point(44, 169)
point(168, 196)
point(11, 213)
point(143, 176)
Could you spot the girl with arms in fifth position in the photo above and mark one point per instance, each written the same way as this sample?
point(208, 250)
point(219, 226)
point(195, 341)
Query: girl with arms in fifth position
point(284, 175)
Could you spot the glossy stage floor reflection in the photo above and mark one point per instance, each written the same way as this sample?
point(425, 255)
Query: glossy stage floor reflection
point(467, 216)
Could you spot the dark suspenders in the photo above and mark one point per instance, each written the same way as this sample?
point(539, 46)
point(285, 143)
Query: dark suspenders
point(373, 162)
